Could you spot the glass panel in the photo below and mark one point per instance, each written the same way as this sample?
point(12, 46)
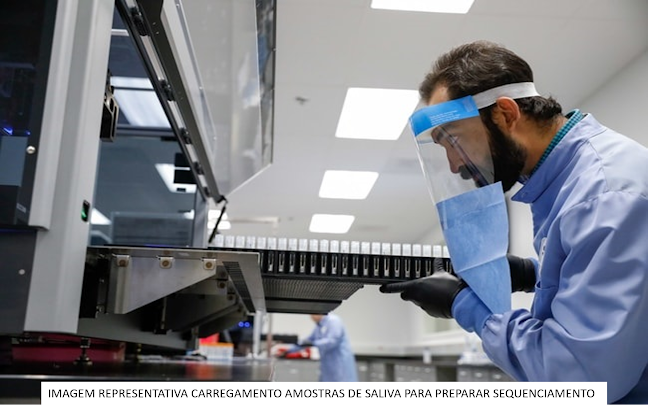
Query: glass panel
point(137, 199)
point(233, 47)
point(24, 65)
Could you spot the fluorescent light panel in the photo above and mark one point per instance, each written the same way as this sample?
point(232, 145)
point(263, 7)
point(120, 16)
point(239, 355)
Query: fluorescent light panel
point(214, 213)
point(376, 113)
point(331, 223)
point(141, 108)
point(212, 217)
point(428, 6)
point(223, 225)
point(97, 218)
point(131, 82)
point(342, 184)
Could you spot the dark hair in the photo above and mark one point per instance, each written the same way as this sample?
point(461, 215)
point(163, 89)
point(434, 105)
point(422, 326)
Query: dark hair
point(481, 65)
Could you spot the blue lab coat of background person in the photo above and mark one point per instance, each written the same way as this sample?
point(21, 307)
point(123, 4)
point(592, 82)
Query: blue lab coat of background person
point(337, 361)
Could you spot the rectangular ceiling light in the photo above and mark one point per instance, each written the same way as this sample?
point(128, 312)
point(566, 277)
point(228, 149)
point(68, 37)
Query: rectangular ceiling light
point(375, 113)
point(428, 6)
point(212, 218)
point(223, 225)
point(138, 102)
point(98, 218)
point(141, 108)
point(342, 184)
point(131, 82)
point(331, 223)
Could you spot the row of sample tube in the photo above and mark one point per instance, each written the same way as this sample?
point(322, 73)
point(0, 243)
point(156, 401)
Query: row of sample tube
point(341, 258)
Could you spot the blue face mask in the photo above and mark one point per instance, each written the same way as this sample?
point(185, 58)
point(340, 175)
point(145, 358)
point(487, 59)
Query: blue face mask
point(476, 230)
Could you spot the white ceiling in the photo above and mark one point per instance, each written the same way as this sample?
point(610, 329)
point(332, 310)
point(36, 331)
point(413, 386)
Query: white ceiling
point(326, 46)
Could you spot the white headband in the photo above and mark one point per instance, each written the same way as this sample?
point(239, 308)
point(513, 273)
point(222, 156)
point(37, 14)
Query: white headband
point(514, 91)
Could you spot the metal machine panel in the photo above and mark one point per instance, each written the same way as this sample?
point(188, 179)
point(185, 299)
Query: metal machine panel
point(244, 270)
point(140, 275)
point(167, 296)
point(63, 74)
point(309, 288)
point(57, 275)
point(16, 253)
point(302, 306)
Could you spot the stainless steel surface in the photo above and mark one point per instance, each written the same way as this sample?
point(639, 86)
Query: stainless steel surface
point(244, 270)
point(168, 297)
point(132, 328)
point(139, 276)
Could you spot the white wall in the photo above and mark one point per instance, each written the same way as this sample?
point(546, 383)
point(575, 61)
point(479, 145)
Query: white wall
point(520, 241)
point(622, 104)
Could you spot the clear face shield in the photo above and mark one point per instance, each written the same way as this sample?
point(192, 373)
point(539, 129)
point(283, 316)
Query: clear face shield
point(454, 150)
point(453, 144)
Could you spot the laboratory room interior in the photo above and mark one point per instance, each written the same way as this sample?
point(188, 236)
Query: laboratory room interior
point(183, 183)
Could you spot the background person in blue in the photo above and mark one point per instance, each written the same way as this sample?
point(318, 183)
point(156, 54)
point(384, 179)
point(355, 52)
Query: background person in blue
point(337, 361)
point(587, 186)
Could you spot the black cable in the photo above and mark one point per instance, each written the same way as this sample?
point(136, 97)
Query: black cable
point(220, 216)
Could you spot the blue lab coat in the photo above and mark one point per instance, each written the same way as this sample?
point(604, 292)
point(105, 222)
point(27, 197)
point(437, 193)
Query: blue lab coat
point(589, 317)
point(337, 361)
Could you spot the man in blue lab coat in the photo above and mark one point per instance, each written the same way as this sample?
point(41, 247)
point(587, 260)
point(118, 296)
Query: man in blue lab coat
point(337, 361)
point(587, 187)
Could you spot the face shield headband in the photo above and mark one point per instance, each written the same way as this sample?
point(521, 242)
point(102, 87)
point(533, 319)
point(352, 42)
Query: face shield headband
point(466, 161)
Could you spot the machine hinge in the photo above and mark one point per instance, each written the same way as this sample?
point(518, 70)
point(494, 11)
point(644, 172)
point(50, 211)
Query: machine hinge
point(138, 20)
point(168, 91)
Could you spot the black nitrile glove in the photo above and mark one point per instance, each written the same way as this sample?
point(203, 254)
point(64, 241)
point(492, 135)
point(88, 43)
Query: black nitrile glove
point(434, 294)
point(523, 274)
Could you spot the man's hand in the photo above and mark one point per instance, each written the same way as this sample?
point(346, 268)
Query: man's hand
point(295, 348)
point(523, 274)
point(434, 294)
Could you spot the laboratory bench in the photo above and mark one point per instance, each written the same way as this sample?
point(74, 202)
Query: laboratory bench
point(395, 369)
point(439, 369)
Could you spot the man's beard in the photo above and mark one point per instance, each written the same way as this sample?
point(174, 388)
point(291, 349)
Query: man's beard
point(508, 157)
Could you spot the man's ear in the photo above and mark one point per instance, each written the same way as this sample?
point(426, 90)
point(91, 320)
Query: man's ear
point(506, 113)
